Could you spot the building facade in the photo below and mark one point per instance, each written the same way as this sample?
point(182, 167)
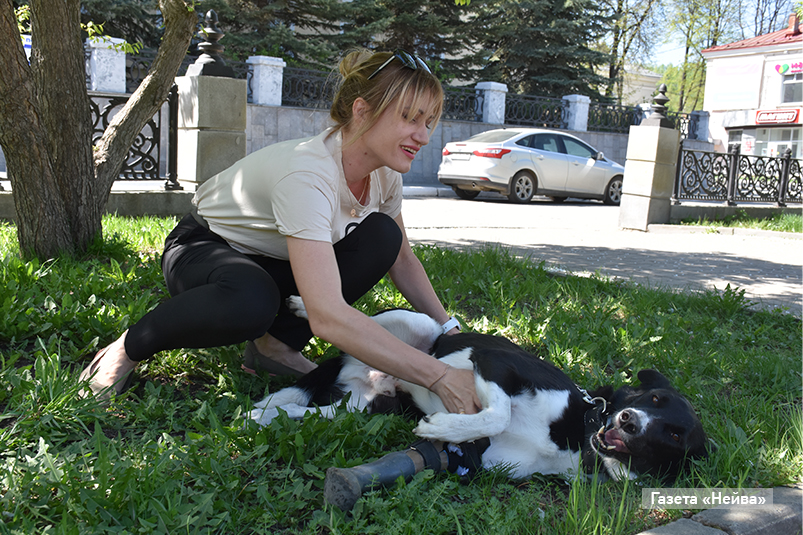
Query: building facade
point(754, 93)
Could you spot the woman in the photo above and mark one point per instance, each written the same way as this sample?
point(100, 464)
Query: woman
point(319, 217)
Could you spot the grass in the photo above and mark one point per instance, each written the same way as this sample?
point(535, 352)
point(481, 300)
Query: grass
point(173, 456)
point(785, 222)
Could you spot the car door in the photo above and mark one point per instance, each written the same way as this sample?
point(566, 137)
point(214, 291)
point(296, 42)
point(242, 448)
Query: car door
point(551, 167)
point(585, 173)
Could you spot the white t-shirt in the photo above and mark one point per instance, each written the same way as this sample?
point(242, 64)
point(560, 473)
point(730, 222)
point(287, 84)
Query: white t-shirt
point(294, 188)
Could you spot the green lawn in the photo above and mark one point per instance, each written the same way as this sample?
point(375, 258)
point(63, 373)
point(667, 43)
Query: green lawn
point(173, 455)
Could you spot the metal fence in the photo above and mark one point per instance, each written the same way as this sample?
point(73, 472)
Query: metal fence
point(144, 155)
point(306, 88)
point(734, 178)
point(542, 112)
point(462, 104)
point(613, 118)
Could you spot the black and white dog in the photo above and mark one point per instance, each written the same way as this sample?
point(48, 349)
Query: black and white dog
point(536, 418)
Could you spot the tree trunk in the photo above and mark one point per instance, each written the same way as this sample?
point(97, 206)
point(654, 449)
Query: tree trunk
point(59, 183)
point(43, 225)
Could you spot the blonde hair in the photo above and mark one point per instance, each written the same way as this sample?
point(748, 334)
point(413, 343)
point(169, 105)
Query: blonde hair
point(394, 84)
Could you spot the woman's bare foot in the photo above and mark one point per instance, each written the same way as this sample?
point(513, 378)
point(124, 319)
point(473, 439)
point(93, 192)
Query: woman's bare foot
point(283, 354)
point(109, 370)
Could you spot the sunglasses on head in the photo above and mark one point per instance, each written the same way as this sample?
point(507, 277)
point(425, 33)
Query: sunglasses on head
point(411, 61)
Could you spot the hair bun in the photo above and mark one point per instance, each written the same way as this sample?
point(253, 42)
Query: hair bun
point(352, 61)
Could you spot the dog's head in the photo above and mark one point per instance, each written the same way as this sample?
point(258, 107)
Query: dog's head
point(650, 429)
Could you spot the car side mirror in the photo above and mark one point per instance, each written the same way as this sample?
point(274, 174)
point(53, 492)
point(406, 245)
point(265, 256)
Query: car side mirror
point(599, 156)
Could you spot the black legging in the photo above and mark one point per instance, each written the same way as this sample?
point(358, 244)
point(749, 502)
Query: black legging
point(222, 297)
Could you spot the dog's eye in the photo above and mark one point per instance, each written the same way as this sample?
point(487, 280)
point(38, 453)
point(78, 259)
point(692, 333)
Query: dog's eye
point(655, 400)
point(675, 437)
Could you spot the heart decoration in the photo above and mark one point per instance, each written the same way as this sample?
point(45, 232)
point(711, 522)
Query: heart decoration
point(782, 68)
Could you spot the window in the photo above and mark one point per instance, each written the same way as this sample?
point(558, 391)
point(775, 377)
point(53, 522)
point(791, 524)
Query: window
point(576, 148)
point(734, 139)
point(792, 88)
point(547, 142)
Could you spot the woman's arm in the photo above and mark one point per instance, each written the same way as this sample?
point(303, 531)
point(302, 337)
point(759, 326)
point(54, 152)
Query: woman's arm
point(332, 319)
point(412, 281)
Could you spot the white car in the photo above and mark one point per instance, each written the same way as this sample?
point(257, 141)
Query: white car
point(522, 162)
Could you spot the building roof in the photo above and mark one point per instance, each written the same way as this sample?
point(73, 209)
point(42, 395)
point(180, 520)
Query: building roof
point(790, 35)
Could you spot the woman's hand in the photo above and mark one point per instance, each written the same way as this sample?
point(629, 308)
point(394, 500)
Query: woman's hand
point(457, 391)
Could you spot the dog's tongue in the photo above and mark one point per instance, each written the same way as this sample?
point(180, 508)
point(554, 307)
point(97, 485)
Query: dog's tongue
point(612, 438)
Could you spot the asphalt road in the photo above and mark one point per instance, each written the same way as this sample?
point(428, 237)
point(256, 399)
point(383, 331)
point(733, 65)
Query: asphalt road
point(583, 237)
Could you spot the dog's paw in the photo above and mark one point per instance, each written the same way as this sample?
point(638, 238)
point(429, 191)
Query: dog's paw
point(432, 426)
point(263, 417)
point(296, 306)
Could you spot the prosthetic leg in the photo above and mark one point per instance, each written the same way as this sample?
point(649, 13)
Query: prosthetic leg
point(344, 486)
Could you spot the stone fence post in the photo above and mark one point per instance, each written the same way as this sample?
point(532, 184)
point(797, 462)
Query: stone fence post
point(106, 65)
point(577, 119)
point(493, 101)
point(266, 80)
point(652, 154)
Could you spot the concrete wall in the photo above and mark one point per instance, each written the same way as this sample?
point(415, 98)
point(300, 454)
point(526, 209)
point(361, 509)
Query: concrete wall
point(270, 124)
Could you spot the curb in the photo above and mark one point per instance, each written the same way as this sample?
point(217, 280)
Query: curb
point(784, 516)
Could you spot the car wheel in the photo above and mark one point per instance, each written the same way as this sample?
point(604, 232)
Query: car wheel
point(613, 192)
point(467, 194)
point(558, 199)
point(522, 187)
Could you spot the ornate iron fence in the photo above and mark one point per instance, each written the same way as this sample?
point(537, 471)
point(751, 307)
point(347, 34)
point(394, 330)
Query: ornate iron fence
point(142, 162)
point(306, 88)
point(734, 178)
point(613, 118)
point(144, 156)
point(462, 104)
point(536, 111)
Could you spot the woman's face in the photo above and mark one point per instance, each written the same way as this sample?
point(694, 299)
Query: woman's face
point(395, 139)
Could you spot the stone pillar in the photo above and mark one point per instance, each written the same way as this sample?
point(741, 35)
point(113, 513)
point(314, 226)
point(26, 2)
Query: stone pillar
point(266, 80)
point(578, 112)
point(211, 113)
point(106, 65)
point(211, 125)
point(493, 102)
point(700, 121)
point(652, 154)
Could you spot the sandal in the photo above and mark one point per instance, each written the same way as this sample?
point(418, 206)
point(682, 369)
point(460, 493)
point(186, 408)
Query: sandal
point(253, 360)
point(103, 391)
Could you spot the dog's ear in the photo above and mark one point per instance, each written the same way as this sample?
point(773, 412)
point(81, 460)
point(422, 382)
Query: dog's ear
point(653, 379)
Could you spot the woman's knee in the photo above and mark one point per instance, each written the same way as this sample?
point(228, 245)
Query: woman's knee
point(251, 300)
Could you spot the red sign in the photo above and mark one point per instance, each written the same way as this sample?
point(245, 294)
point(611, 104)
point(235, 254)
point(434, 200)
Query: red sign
point(777, 116)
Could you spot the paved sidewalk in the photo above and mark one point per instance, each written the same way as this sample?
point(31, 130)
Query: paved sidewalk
point(583, 237)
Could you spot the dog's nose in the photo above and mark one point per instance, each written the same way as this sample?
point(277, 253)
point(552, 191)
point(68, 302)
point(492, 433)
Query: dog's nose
point(627, 421)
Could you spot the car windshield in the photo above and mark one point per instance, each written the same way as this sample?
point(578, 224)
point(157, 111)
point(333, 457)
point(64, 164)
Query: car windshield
point(494, 136)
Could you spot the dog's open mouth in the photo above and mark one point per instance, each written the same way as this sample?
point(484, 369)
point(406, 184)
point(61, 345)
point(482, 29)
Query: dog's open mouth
point(610, 440)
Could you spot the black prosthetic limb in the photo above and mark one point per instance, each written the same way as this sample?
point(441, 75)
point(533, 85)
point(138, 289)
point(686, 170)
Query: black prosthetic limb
point(344, 486)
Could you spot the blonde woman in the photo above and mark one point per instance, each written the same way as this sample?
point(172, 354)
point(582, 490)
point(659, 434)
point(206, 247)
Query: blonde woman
point(317, 217)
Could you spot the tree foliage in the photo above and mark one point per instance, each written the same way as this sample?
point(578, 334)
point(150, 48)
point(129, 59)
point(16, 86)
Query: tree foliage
point(541, 47)
point(632, 35)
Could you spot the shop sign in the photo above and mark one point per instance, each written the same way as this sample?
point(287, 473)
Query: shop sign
point(789, 68)
point(777, 116)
